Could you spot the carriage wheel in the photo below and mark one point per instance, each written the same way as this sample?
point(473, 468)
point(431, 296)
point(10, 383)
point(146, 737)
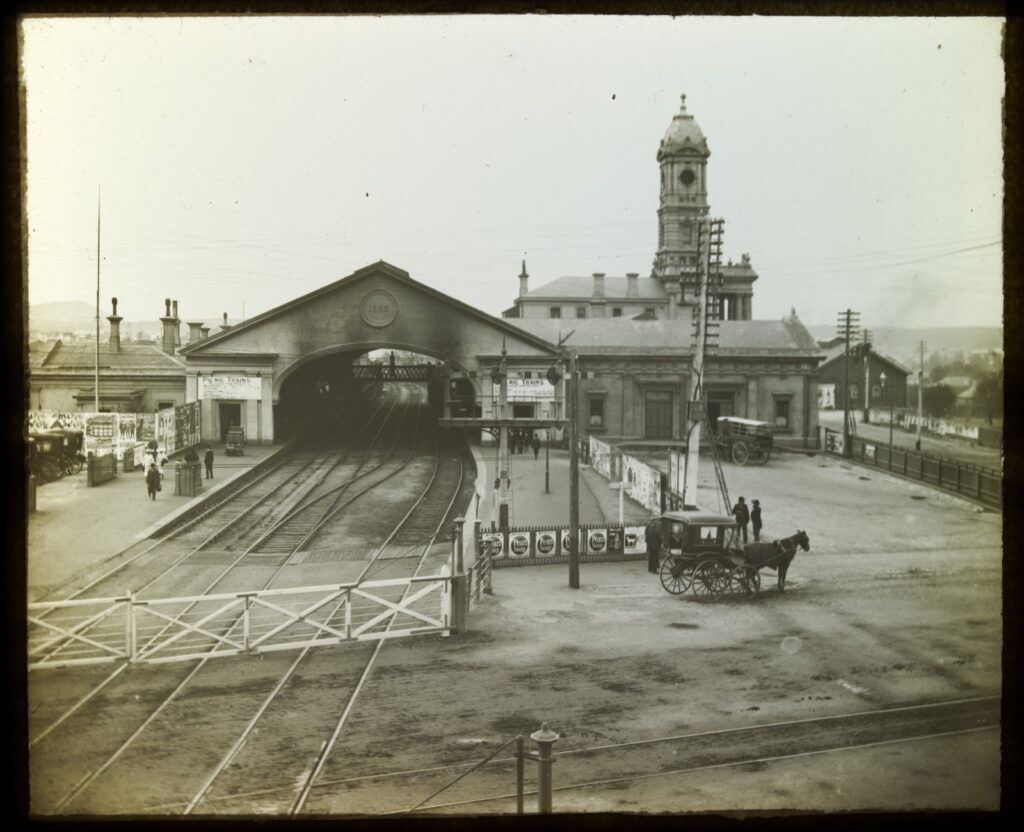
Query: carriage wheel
point(48, 470)
point(767, 456)
point(745, 580)
point(709, 579)
point(676, 575)
point(740, 453)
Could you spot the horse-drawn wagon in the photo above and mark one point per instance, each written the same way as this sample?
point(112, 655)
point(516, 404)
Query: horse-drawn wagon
point(744, 440)
point(703, 556)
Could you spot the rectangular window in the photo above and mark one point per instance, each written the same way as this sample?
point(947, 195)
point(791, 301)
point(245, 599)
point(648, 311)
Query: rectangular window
point(555, 311)
point(522, 411)
point(597, 412)
point(164, 405)
point(650, 310)
point(528, 374)
point(782, 413)
point(581, 311)
point(616, 311)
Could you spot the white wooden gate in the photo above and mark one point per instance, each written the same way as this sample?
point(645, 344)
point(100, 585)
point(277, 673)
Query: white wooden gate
point(152, 630)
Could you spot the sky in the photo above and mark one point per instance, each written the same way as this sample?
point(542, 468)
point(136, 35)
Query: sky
point(238, 163)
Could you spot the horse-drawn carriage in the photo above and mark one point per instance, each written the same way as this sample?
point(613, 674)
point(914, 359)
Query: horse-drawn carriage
point(744, 440)
point(55, 453)
point(703, 556)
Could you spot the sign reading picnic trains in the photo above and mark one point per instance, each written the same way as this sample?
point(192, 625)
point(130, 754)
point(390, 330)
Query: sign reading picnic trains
point(529, 390)
point(230, 387)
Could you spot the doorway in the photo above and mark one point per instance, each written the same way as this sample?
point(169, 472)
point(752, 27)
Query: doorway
point(658, 415)
point(719, 404)
point(230, 417)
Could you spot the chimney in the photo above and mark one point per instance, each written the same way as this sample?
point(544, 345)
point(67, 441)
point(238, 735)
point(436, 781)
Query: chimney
point(523, 281)
point(115, 328)
point(598, 284)
point(225, 326)
point(632, 287)
point(206, 331)
point(177, 324)
point(170, 334)
point(195, 331)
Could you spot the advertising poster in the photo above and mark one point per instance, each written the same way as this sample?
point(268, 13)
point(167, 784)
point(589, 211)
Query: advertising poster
point(633, 542)
point(597, 541)
point(565, 541)
point(869, 451)
point(676, 471)
point(519, 544)
point(615, 541)
point(493, 543)
point(545, 544)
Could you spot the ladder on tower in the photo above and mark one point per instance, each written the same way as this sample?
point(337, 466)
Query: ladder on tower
point(723, 489)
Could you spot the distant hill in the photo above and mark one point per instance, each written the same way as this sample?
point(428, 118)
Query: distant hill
point(903, 343)
point(75, 316)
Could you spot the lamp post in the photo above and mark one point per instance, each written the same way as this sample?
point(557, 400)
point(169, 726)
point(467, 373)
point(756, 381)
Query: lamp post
point(547, 448)
point(888, 392)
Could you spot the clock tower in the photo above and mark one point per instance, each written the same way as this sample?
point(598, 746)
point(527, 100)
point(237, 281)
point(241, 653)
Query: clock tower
point(683, 158)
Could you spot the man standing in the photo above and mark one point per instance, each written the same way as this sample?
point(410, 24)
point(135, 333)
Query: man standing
point(755, 519)
point(535, 444)
point(742, 515)
point(652, 536)
point(208, 459)
point(152, 481)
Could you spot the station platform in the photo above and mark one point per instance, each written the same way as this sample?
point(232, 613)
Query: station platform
point(529, 505)
point(75, 527)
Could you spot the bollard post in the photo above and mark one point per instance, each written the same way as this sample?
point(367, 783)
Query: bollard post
point(130, 637)
point(179, 486)
point(488, 569)
point(459, 565)
point(545, 739)
point(31, 492)
point(476, 537)
point(520, 778)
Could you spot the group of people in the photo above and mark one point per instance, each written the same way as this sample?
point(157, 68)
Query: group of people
point(520, 440)
point(747, 516)
point(744, 516)
point(155, 474)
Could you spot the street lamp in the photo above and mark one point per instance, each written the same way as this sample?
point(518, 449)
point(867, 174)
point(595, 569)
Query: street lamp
point(888, 391)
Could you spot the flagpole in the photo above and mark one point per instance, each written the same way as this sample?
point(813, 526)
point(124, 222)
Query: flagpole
point(97, 380)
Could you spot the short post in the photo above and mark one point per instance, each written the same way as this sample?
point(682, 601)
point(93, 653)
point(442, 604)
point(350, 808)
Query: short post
point(179, 484)
point(488, 570)
point(519, 774)
point(131, 647)
point(477, 538)
point(31, 492)
point(459, 565)
point(545, 739)
point(958, 476)
point(460, 593)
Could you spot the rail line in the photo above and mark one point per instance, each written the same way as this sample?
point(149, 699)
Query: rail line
point(314, 506)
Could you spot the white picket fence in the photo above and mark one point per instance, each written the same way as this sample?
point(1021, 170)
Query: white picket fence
point(156, 630)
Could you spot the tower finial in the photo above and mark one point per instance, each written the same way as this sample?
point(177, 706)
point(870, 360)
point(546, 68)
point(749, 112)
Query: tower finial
point(682, 103)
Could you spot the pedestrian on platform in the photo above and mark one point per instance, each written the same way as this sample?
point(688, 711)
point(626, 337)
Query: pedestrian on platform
point(535, 443)
point(191, 455)
point(652, 536)
point(755, 519)
point(152, 481)
point(742, 514)
point(208, 460)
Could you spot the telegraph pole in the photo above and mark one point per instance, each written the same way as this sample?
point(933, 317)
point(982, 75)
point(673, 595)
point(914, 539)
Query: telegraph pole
point(920, 400)
point(848, 326)
point(867, 375)
point(709, 238)
point(96, 392)
point(500, 376)
point(574, 478)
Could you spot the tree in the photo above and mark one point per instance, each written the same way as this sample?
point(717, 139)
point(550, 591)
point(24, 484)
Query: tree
point(938, 400)
point(988, 393)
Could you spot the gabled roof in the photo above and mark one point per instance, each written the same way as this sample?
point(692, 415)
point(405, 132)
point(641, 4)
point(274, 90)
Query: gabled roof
point(836, 352)
point(577, 287)
point(360, 274)
point(636, 336)
point(81, 356)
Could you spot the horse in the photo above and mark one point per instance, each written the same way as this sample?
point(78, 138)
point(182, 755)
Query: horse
point(777, 554)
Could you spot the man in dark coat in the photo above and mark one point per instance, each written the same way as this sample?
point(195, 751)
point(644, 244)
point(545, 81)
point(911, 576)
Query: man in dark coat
point(535, 443)
point(208, 460)
point(742, 515)
point(652, 536)
point(755, 519)
point(152, 481)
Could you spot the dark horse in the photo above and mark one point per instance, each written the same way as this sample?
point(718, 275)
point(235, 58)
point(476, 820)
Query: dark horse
point(777, 554)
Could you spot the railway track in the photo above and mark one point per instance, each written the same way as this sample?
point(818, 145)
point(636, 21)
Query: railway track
point(164, 716)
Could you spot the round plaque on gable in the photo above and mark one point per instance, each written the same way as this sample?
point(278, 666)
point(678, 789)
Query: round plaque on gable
point(378, 308)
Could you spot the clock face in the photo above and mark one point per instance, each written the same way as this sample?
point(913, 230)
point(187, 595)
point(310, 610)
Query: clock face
point(687, 177)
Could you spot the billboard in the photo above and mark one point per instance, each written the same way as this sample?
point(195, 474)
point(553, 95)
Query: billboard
point(530, 390)
point(230, 387)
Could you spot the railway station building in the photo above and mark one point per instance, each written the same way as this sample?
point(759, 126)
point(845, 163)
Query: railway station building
point(302, 364)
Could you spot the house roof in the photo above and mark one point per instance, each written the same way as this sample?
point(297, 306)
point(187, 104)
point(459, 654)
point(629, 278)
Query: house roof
point(581, 287)
point(81, 356)
point(631, 335)
point(836, 352)
point(958, 383)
